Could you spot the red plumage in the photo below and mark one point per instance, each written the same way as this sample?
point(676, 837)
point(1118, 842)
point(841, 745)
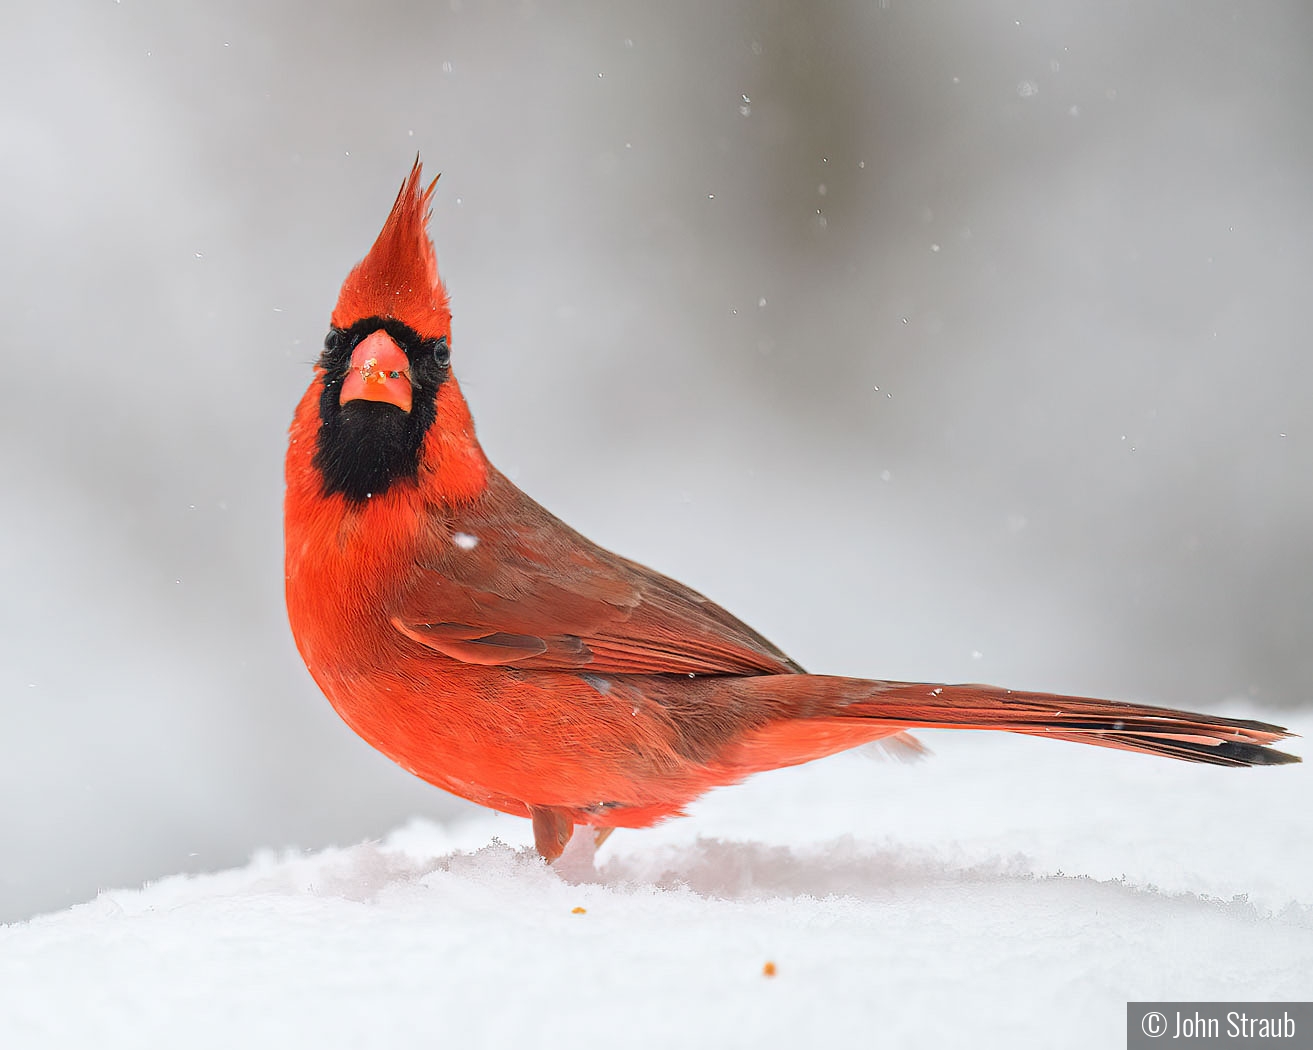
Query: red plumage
point(490, 649)
point(399, 276)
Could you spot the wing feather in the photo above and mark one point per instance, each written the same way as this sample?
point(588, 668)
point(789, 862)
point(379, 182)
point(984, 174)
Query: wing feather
point(503, 581)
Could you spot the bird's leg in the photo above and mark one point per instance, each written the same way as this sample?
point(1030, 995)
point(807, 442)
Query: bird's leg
point(600, 835)
point(552, 829)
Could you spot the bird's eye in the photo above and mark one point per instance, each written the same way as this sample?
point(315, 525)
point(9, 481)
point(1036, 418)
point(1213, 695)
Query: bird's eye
point(441, 354)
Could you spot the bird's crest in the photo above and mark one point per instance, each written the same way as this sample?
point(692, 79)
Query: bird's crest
point(398, 279)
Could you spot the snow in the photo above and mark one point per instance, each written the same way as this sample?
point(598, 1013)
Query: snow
point(1004, 892)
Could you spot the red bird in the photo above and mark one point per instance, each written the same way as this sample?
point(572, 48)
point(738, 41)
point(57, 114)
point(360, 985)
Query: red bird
point(487, 647)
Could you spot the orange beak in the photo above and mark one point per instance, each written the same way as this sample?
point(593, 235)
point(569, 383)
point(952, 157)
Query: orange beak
point(379, 372)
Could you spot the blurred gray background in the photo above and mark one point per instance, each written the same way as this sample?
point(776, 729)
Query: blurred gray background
point(952, 341)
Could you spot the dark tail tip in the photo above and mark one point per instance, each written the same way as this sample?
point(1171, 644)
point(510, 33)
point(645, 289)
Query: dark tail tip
point(1237, 753)
point(1234, 753)
point(1253, 754)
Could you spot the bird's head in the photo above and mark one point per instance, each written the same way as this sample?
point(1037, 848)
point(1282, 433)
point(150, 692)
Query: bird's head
point(388, 400)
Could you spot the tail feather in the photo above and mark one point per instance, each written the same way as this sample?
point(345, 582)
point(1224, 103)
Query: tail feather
point(1213, 752)
point(822, 715)
point(1187, 735)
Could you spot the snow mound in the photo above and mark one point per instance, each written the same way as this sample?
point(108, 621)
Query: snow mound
point(1009, 892)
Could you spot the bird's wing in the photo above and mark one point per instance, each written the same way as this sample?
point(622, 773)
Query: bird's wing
point(504, 582)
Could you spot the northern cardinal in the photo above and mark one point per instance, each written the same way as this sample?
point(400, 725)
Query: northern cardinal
point(487, 647)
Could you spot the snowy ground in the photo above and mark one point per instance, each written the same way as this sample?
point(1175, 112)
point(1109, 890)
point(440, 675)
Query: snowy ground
point(1006, 892)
